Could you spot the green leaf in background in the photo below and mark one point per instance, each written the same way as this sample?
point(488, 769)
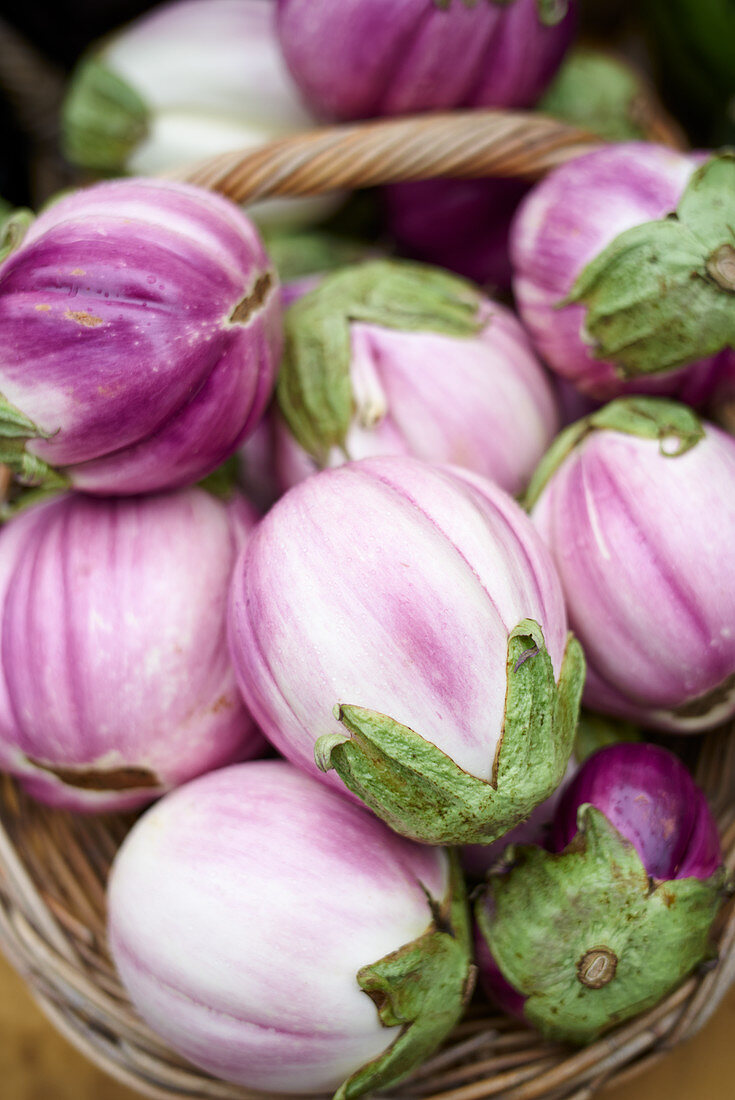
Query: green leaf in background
point(601, 93)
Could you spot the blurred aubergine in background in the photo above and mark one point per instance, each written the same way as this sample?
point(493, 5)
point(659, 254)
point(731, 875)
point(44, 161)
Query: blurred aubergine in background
point(47, 37)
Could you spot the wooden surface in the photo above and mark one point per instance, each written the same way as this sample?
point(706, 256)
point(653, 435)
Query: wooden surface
point(37, 1064)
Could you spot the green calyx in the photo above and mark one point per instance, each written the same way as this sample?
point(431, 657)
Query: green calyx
point(103, 119)
point(597, 731)
point(223, 482)
point(297, 255)
point(314, 387)
point(675, 426)
point(14, 224)
point(15, 432)
point(422, 988)
point(599, 92)
point(587, 937)
point(550, 12)
point(420, 791)
point(662, 295)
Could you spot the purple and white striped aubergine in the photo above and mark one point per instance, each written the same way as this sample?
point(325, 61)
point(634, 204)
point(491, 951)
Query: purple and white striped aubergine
point(366, 58)
point(636, 503)
point(390, 357)
point(618, 911)
point(401, 628)
point(115, 678)
point(188, 80)
point(139, 338)
point(624, 269)
point(282, 938)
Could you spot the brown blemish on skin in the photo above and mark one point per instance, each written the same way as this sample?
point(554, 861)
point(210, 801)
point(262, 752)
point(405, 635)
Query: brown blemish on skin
point(116, 779)
point(245, 308)
point(43, 308)
point(223, 703)
point(83, 318)
point(597, 967)
point(79, 271)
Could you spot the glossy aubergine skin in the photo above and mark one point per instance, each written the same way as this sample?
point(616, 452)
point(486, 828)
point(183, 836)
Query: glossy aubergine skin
point(651, 799)
point(136, 317)
point(115, 679)
point(242, 909)
point(391, 585)
point(565, 222)
point(357, 59)
point(642, 541)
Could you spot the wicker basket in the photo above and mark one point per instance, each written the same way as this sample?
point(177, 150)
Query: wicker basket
point(53, 866)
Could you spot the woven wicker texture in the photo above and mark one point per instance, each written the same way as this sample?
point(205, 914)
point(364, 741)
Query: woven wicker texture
point(53, 866)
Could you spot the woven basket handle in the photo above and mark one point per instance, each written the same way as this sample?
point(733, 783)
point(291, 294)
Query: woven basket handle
point(468, 144)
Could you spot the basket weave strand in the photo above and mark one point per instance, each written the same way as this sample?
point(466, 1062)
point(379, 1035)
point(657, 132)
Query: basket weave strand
point(54, 866)
point(469, 144)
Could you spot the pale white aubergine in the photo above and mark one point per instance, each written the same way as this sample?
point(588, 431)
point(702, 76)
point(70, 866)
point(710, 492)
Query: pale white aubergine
point(282, 938)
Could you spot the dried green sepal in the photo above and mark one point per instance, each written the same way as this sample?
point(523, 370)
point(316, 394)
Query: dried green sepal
point(296, 255)
point(587, 937)
point(420, 791)
point(223, 482)
point(103, 119)
point(597, 731)
point(662, 295)
point(675, 426)
point(14, 224)
point(423, 987)
point(314, 387)
point(15, 432)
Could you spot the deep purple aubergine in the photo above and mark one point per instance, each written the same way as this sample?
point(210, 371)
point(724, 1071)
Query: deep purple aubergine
point(619, 910)
point(139, 338)
point(366, 58)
